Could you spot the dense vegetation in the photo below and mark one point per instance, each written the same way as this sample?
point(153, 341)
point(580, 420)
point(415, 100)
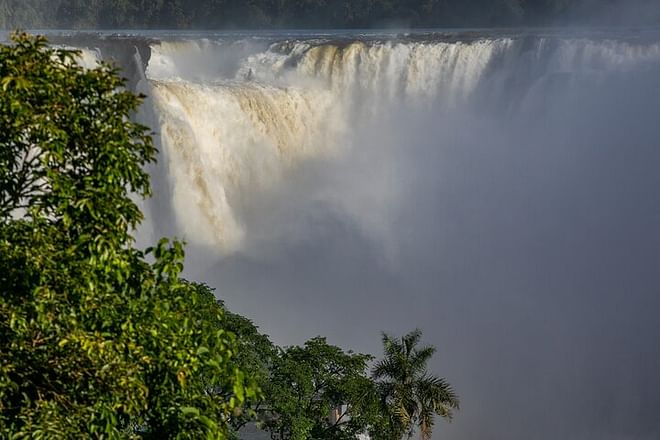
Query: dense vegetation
point(318, 391)
point(184, 14)
point(99, 339)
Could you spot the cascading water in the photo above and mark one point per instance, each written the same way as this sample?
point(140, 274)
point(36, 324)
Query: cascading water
point(225, 140)
point(235, 116)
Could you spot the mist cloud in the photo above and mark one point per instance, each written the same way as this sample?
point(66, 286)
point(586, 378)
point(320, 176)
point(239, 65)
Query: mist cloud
point(518, 228)
point(525, 245)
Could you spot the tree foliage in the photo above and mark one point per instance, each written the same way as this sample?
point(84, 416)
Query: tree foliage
point(318, 391)
point(256, 356)
point(179, 14)
point(97, 338)
point(411, 396)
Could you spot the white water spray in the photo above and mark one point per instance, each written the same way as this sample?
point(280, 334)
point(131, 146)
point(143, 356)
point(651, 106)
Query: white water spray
point(234, 118)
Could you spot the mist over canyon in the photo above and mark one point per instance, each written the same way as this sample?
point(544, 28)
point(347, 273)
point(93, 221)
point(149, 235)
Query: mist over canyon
point(497, 189)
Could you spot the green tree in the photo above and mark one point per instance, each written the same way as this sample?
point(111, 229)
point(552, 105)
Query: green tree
point(97, 339)
point(411, 396)
point(255, 356)
point(159, 14)
point(318, 391)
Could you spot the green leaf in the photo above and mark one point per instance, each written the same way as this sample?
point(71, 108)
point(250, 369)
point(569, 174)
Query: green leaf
point(190, 411)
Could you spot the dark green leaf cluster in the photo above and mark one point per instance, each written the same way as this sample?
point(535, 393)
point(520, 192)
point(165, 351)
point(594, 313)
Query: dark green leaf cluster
point(214, 14)
point(254, 355)
point(97, 339)
point(318, 391)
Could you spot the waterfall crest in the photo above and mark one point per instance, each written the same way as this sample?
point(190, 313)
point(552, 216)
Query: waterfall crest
point(233, 117)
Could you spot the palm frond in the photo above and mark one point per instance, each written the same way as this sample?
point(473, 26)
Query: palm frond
point(385, 368)
point(411, 340)
point(426, 421)
point(413, 397)
point(420, 357)
point(436, 393)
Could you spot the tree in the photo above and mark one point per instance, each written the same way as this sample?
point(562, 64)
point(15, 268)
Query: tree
point(159, 14)
point(97, 338)
point(411, 396)
point(319, 392)
point(255, 356)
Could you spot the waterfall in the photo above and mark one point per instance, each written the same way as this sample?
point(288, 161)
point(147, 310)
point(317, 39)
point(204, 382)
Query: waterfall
point(234, 117)
point(497, 189)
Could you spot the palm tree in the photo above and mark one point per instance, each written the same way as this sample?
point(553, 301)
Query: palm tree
point(412, 396)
